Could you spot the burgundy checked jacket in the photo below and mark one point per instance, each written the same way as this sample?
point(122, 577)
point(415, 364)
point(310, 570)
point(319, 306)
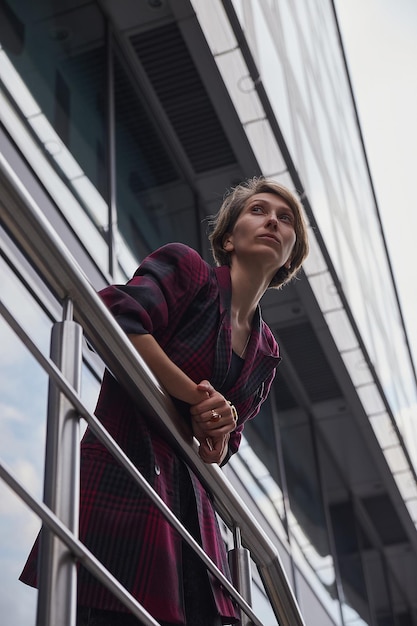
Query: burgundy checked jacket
point(185, 304)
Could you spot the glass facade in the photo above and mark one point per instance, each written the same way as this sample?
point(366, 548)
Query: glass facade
point(57, 77)
point(296, 50)
point(24, 392)
point(77, 105)
point(310, 96)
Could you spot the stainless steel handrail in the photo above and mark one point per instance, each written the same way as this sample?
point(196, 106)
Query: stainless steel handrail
point(35, 236)
point(100, 432)
point(82, 554)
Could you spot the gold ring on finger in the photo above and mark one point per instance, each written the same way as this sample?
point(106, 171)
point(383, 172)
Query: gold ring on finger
point(215, 416)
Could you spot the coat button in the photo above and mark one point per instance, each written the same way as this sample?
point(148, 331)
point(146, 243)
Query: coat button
point(157, 469)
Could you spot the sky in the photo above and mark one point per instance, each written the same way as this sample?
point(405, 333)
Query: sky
point(380, 41)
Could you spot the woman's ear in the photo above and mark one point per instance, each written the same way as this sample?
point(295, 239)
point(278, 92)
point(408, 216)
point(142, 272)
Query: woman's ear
point(228, 244)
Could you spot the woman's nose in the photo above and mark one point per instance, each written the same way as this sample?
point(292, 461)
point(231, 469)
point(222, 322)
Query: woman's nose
point(272, 220)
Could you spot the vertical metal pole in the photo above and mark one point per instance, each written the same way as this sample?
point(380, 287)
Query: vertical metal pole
point(240, 569)
point(57, 568)
point(111, 148)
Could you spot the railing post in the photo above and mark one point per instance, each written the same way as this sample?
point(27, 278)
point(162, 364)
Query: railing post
point(240, 569)
point(57, 568)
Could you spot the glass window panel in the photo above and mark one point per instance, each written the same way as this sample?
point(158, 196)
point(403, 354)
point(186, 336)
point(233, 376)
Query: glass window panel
point(261, 436)
point(25, 309)
point(309, 91)
point(23, 393)
point(261, 606)
point(18, 528)
point(349, 537)
point(284, 15)
point(56, 187)
point(23, 400)
point(273, 68)
point(306, 24)
point(317, 185)
point(302, 480)
point(318, 124)
point(351, 617)
point(271, 510)
point(314, 596)
point(90, 387)
point(62, 63)
point(23, 410)
point(154, 206)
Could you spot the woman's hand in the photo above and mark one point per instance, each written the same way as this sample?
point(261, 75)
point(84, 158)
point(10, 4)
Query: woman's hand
point(213, 419)
point(214, 450)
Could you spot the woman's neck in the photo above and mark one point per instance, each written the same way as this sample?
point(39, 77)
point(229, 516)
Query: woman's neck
point(247, 290)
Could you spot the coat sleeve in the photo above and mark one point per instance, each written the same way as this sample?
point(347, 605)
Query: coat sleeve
point(161, 289)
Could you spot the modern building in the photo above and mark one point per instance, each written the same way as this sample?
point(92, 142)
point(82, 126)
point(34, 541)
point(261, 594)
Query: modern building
point(125, 121)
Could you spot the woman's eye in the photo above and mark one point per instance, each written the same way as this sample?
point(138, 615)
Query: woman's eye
point(257, 208)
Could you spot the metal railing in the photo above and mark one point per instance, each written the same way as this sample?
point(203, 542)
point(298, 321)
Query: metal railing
point(35, 236)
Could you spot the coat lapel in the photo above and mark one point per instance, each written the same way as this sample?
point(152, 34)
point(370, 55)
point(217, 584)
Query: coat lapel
point(223, 353)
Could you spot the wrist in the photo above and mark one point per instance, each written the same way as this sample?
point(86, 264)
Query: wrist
point(192, 394)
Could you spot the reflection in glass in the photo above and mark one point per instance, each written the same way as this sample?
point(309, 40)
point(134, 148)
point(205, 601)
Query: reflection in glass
point(154, 204)
point(310, 93)
point(23, 410)
point(349, 541)
point(23, 393)
point(60, 56)
point(304, 520)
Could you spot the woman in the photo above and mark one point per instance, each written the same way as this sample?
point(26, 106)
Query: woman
point(200, 331)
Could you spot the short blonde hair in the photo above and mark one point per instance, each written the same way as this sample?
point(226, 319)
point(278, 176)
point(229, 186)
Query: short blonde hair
point(233, 204)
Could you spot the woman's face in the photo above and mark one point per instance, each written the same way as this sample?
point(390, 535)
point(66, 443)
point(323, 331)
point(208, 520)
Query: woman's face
point(264, 232)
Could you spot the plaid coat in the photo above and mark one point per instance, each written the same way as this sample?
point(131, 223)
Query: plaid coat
point(185, 304)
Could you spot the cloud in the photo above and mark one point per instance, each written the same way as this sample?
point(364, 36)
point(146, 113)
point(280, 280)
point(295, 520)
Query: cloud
point(18, 528)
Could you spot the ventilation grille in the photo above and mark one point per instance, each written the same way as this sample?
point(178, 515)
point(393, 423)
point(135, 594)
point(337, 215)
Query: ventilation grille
point(177, 83)
point(140, 151)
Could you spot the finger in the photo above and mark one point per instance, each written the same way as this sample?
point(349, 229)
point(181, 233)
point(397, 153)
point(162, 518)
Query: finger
point(209, 425)
point(202, 413)
point(234, 413)
point(214, 401)
point(215, 416)
point(207, 448)
point(212, 449)
point(205, 385)
point(209, 456)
